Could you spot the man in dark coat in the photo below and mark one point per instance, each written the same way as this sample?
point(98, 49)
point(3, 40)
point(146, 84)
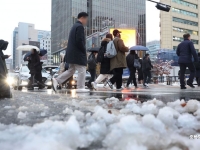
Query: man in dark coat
point(146, 69)
point(76, 55)
point(186, 51)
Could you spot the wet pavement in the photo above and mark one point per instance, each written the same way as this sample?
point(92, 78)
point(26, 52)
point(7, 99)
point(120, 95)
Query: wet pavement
point(164, 93)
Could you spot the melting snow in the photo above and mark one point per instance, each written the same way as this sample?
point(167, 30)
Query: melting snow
point(151, 125)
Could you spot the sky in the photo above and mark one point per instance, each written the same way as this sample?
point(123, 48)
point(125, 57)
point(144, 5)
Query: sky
point(38, 12)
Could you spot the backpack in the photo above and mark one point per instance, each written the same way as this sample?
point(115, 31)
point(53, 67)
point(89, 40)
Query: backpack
point(111, 50)
point(136, 64)
point(100, 55)
point(91, 62)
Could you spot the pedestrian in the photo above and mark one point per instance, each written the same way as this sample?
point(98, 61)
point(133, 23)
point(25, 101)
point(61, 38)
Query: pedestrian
point(105, 72)
point(186, 51)
point(140, 73)
point(146, 69)
point(118, 63)
point(35, 67)
point(92, 64)
point(197, 67)
point(130, 63)
point(76, 55)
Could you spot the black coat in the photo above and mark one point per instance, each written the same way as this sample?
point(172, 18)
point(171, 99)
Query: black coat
point(76, 50)
point(130, 61)
point(198, 70)
point(185, 51)
point(3, 68)
point(105, 64)
point(146, 64)
point(34, 65)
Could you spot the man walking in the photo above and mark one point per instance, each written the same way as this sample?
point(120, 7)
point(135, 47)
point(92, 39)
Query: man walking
point(76, 55)
point(146, 69)
point(118, 63)
point(186, 51)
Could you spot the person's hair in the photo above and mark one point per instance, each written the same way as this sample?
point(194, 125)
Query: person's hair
point(109, 36)
point(132, 52)
point(186, 36)
point(82, 14)
point(146, 55)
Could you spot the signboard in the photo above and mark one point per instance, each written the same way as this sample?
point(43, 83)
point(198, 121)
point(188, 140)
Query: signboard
point(128, 36)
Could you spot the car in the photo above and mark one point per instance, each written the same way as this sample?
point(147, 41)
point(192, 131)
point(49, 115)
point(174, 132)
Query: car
point(23, 78)
point(73, 82)
point(51, 69)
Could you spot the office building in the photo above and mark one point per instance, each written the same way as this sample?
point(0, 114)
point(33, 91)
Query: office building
point(154, 47)
point(182, 18)
point(25, 34)
point(102, 14)
point(45, 44)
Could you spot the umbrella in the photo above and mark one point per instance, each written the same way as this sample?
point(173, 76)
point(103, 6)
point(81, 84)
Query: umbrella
point(42, 53)
point(27, 47)
point(138, 48)
point(26, 56)
point(93, 49)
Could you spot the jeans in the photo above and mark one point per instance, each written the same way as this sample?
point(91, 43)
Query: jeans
point(183, 67)
point(117, 77)
point(93, 75)
point(68, 73)
point(147, 77)
point(132, 78)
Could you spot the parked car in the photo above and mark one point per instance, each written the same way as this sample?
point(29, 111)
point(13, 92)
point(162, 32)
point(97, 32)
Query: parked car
point(73, 82)
point(23, 78)
point(51, 69)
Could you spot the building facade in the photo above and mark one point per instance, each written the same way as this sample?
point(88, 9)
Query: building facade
point(154, 47)
point(45, 44)
point(182, 18)
point(102, 14)
point(25, 34)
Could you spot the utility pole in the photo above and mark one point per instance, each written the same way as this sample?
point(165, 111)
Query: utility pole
point(161, 6)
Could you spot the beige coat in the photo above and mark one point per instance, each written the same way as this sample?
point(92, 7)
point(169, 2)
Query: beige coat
point(119, 61)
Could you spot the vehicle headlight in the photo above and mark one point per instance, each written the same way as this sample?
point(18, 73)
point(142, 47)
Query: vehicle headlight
point(10, 80)
point(73, 82)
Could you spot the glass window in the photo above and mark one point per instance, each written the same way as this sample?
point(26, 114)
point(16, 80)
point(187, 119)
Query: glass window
point(185, 3)
point(184, 12)
point(188, 22)
point(185, 30)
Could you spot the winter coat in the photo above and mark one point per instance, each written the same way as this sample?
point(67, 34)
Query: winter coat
point(140, 73)
point(185, 51)
point(76, 50)
point(3, 67)
point(119, 61)
point(146, 64)
point(105, 64)
point(130, 61)
point(35, 65)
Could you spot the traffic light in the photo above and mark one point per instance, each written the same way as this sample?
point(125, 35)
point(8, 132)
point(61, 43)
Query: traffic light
point(163, 7)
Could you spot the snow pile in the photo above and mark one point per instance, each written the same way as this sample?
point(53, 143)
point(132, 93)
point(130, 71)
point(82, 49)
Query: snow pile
point(151, 125)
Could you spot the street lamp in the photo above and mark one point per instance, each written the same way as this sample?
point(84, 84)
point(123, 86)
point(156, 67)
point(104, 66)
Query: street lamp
point(161, 6)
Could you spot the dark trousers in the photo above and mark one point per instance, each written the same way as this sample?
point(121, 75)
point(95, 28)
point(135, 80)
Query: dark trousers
point(117, 77)
point(198, 81)
point(93, 75)
point(132, 78)
point(147, 76)
point(183, 67)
